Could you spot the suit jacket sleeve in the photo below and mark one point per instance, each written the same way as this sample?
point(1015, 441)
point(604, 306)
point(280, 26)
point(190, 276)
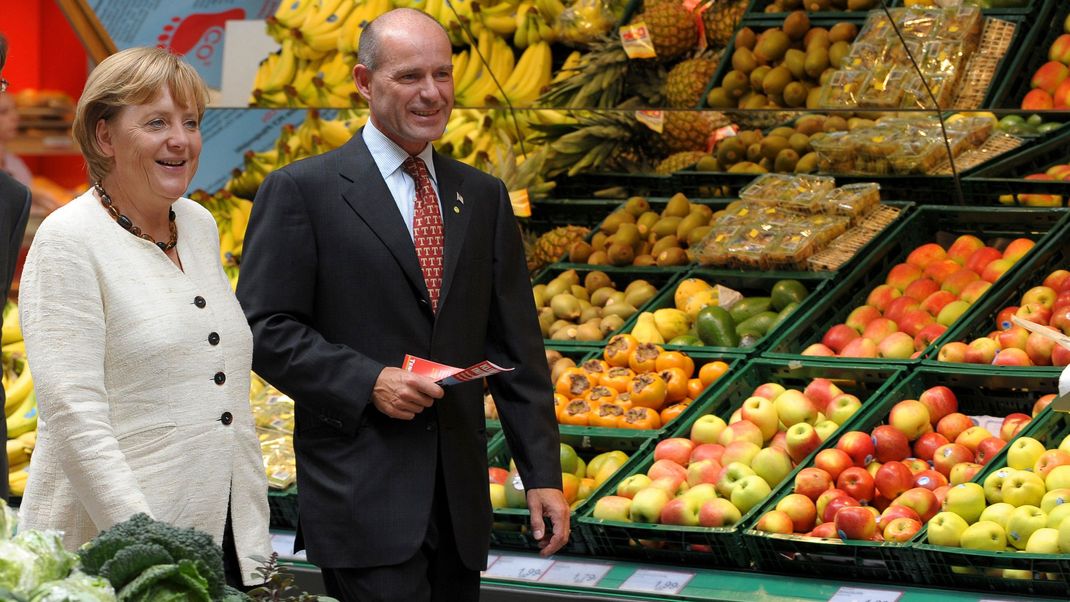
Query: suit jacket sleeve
point(277, 290)
point(62, 313)
point(524, 396)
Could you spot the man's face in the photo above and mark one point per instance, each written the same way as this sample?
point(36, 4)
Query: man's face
point(411, 91)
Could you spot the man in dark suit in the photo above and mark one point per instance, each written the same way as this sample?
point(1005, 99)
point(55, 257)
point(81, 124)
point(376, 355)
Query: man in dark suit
point(14, 213)
point(344, 273)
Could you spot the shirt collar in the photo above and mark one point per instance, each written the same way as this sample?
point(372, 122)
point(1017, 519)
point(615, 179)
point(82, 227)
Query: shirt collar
point(389, 156)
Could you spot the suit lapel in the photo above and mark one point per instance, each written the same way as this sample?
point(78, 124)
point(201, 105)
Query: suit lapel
point(455, 213)
point(369, 197)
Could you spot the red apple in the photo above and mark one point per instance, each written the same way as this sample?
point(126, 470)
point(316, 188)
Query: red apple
point(824, 531)
point(1012, 423)
point(963, 247)
point(812, 482)
point(927, 444)
point(890, 444)
point(926, 254)
point(921, 288)
point(939, 401)
point(919, 500)
point(822, 390)
point(775, 521)
point(707, 451)
point(929, 479)
point(855, 523)
point(928, 335)
point(891, 513)
point(833, 461)
point(818, 350)
point(1003, 318)
point(911, 418)
point(899, 308)
point(859, 446)
point(677, 449)
point(988, 448)
point(901, 275)
point(953, 352)
point(837, 337)
point(892, 479)
point(860, 347)
point(861, 316)
point(953, 424)
point(1042, 403)
point(901, 530)
point(857, 482)
point(936, 302)
point(982, 257)
point(837, 504)
point(947, 456)
point(879, 329)
point(881, 296)
point(1012, 357)
point(801, 510)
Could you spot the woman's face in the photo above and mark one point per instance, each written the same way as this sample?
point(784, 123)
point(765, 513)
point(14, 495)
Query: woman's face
point(155, 145)
point(9, 118)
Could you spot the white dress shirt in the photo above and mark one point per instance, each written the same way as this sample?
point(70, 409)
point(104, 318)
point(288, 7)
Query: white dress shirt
point(388, 157)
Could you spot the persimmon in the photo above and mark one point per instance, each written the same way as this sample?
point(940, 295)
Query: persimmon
point(648, 390)
point(639, 418)
point(624, 400)
point(675, 359)
point(645, 357)
point(559, 401)
point(619, 349)
point(573, 382)
point(605, 415)
point(675, 384)
point(711, 372)
point(574, 413)
point(695, 387)
point(596, 368)
point(674, 410)
point(618, 378)
point(601, 394)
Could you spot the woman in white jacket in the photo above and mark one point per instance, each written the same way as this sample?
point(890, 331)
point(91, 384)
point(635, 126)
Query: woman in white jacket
point(139, 350)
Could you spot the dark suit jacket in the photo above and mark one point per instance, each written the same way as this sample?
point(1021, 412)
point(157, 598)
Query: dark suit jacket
point(333, 291)
point(14, 213)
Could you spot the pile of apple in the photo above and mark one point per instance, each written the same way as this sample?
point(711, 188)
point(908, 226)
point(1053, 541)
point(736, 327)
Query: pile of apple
point(725, 469)
point(636, 386)
point(1012, 345)
point(1051, 82)
point(1055, 173)
point(1020, 507)
point(920, 299)
point(578, 478)
point(884, 484)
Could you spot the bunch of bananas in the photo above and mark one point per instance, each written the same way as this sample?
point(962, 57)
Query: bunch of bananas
point(314, 136)
point(532, 26)
point(319, 40)
point(20, 405)
point(231, 215)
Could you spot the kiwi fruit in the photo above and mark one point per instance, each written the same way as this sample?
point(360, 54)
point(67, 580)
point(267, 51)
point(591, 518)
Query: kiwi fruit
point(807, 163)
point(776, 80)
point(772, 46)
point(838, 53)
point(735, 84)
point(795, 60)
point(746, 38)
point(718, 98)
point(817, 36)
point(786, 160)
point(743, 60)
point(772, 145)
point(817, 60)
point(795, 94)
point(843, 32)
point(796, 25)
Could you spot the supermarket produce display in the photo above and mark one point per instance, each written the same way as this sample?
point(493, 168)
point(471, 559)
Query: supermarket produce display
point(801, 269)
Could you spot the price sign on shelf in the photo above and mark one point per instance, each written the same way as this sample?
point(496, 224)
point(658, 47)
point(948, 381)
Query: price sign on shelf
point(524, 568)
point(657, 582)
point(858, 594)
point(576, 573)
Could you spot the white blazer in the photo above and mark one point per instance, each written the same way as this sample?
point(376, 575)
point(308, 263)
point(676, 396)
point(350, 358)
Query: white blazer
point(142, 378)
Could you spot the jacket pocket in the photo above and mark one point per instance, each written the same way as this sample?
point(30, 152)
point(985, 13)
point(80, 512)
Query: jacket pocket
point(146, 437)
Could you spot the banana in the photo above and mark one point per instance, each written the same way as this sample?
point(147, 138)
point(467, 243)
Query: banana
point(433, 9)
point(460, 61)
point(24, 418)
point(11, 332)
point(18, 391)
point(325, 17)
point(334, 133)
point(239, 218)
point(16, 480)
point(292, 13)
point(550, 9)
point(503, 24)
point(17, 453)
point(28, 439)
point(285, 69)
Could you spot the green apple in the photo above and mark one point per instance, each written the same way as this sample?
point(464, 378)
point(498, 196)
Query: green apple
point(1023, 453)
point(1058, 478)
point(647, 505)
point(1053, 498)
point(994, 484)
point(997, 513)
point(793, 407)
point(825, 428)
point(984, 535)
point(946, 529)
point(730, 477)
point(497, 495)
point(1065, 444)
point(1064, 537)
point(761, 412)
point(702, 493)
point(749, 492)
point(1043, 541)
point(1022, 523)
point(967, 500)
point(707, 429)
point(1057, 514)
point(1023, 488)
point(772, 464)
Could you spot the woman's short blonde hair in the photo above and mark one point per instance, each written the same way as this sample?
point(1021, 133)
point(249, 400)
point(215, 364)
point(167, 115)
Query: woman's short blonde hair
point(131, 77)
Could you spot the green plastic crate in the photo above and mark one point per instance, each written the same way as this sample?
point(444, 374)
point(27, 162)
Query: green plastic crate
point(1054, 255)
point(927, 224)
point(977, 569)
point(511, 528)
point(978, 394)
point(723, 546)
point(282, 508)
point(660, 278)
point(1044, 25)
point(1006, 176)
point(750, 284)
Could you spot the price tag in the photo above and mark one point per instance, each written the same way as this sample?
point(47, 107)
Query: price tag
point(857, 594)
point(524, 568)
point(576, 573)
point(657, 582)
point(655, 120)
point(636, 41)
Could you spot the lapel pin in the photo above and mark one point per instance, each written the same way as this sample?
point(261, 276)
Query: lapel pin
point(460, 199)
point(456, 209)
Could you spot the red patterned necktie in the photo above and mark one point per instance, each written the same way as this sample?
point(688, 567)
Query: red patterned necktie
point(426, 227)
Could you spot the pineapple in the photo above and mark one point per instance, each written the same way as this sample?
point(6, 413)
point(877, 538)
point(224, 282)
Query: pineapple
point(687, 81)
point(720, 21)
point(552, 245)
point(679, 161)
point(688, 130)
point(672, 29)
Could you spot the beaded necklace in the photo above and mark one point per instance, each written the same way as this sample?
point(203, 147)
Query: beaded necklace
point(129, 226)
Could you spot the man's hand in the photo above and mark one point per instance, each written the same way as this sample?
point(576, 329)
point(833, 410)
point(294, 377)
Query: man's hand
point(401, 394)
point(549, 503)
